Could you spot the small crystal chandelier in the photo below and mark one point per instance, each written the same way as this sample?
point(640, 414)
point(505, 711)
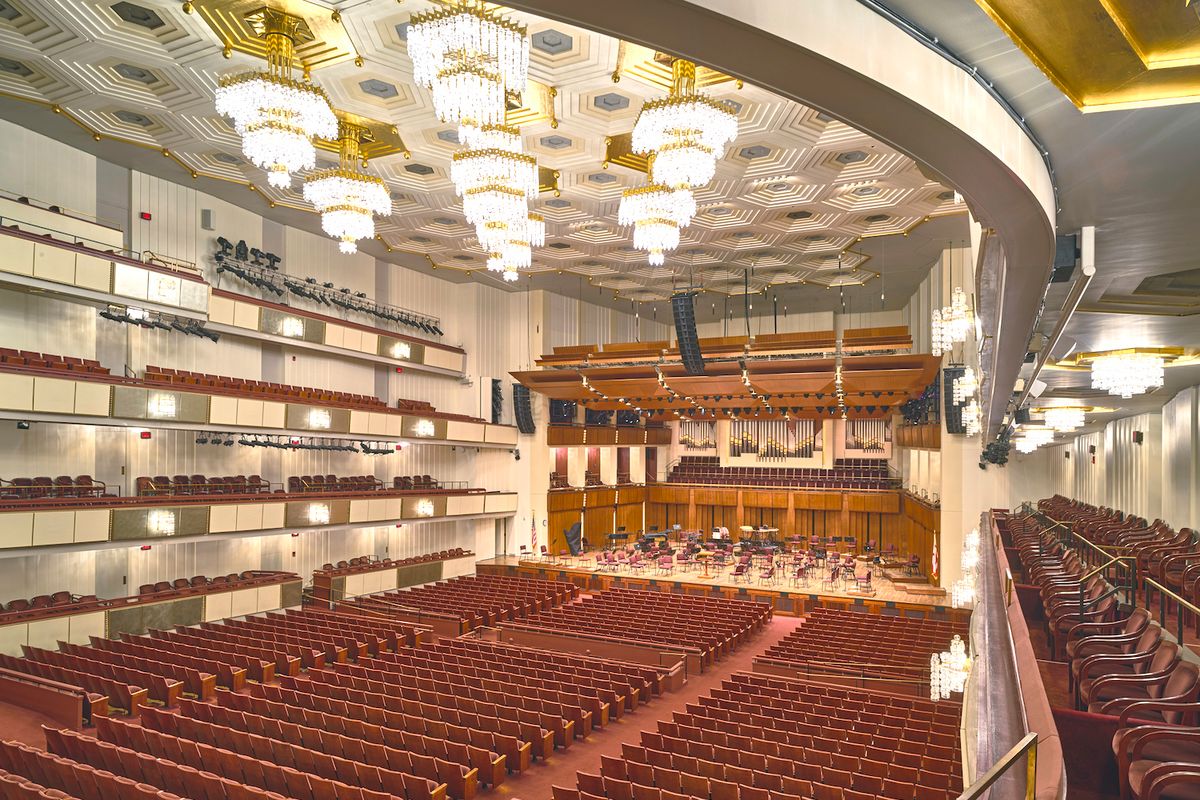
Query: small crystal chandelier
point(971, 418)
point(656, 213)
point(468, 56)
point(965, 386)
point(347, 198)
point(1064, 419)
point(531, 231)
point(948, 671)
point(277, 116)
point(1031, 438)
point(1127, 372)
point(952, 324)
point(687, 131)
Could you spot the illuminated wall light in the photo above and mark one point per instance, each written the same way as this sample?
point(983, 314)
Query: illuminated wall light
point(402, 350)
point(318, 514)
point(424, 427)
point(161, 522)
point(162, 406)
point(292, 327)
point(425, 508)
point(319, 418)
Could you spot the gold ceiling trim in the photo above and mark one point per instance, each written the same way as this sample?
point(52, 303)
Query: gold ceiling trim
point(533, 105)
point(654, 67)
point(548, 180)
point(618, 149)
point(1108, 54)
point(236, 24)
point(380, 139)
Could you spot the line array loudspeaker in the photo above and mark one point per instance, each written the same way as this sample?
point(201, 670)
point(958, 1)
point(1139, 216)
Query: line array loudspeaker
point(497, 401)
point(684, 312)
point(522, 410)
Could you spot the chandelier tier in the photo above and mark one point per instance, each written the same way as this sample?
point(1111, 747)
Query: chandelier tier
point(347, 198)
point(531, 231)
point(656, 213)
point(1064, 419)
point(277, 116)
point(473, 169)
point(687, 131)
point(1126, 373)
point(965, 386)
point(468, 56)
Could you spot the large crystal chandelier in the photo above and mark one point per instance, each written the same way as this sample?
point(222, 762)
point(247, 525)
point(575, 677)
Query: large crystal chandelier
point(346, 197)
point(687, 131)
point(277, 116)
point(1126, 373)
point(1064, 419)
point(468, 56)
point(656, 213)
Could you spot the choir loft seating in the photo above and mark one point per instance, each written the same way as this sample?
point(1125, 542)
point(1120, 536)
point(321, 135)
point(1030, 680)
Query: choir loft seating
point(707, 470)
point(27, 361)
point(45, 486)
point(764, 738)
point(714, 625)
point(474, 600)
point(182, 485)
point(363, 483)
point(199, 584)
point(368, 563)
point(847, 645)
point(199, 381)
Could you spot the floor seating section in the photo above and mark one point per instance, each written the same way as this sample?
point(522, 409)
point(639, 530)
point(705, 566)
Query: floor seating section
point(26, 360)
point(199, 381)
point(714, 625)
point(44, 486)
point(836, 642)
point(764, 738)
point(476, 600)
point(369, 563)
point(171, 486)
point(846, 474)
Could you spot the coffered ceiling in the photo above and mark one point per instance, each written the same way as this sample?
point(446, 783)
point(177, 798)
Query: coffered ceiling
point(795, 199)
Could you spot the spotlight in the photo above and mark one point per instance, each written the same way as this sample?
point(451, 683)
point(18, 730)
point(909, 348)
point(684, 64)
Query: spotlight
point(202, 438)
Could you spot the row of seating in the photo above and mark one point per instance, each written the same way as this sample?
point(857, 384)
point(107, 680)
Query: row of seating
point(167, 486)
point(30, 360)
point(759, 737)
point(369, 564)
point(58, 599)
point(840, 642)
point(220, 583)
point(476, 600)
point(714, 625)
point(708, 470)
point(45, 486)
point(256, 388)
point(359, 483)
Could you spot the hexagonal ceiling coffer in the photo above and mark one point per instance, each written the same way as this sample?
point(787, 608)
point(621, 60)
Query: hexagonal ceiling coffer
point(418, 169)
point(13, 67)
point(799, 214)
point(555, 142)
point(850, 157)
point(610, 101)
point(558, 202)
point(448, 135)
point(601, 177)
point(551, 42)
point(134, 73)
point(134, 118)
point(138, 15)
point(754, 151)
point(378, 88)
point(8, 11)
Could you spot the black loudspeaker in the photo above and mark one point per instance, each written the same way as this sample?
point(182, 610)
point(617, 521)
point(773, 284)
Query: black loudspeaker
point(562, 412)
point(1022, 416)
point(593, 417)
point(1138, 437)
point(954, 420)
point(684, 311)
point(1091, 449)
point(522, 409)
point(497, 401)
point(1067, 454)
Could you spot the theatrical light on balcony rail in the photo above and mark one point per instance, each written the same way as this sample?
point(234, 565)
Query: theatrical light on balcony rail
point(468, 56)
point(277, 116)
point(1064, 419)
point(687, 131)
point(346, 197)
point(1125, 373)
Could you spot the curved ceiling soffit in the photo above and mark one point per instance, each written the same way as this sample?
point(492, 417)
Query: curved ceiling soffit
point(842, 58)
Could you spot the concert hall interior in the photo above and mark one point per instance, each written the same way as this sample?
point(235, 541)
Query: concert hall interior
point(566, 400)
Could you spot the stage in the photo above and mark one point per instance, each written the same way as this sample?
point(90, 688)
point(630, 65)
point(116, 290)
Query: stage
point(887, 596)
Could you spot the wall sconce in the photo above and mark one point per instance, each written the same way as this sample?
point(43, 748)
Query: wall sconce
point(402, 350)
point(318, 514)
point(292, 327)
point(319, 418)
point(161, 522)
point(162, 406)
point(425, 508)
point(424, 427)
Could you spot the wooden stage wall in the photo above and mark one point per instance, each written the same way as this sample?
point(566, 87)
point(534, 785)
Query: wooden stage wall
point(883, 518)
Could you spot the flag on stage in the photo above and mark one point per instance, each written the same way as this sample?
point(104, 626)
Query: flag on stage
point(533, 535)
point(933, 563)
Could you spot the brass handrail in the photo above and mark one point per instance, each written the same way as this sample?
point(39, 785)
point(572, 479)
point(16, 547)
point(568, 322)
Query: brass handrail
point(1163, 594)
point(1113, 560)
point(1026, 745)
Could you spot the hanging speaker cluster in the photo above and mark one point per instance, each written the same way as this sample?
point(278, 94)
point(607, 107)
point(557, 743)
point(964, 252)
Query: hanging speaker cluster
point(522, 409)
point(684, 310)
point(497, 401)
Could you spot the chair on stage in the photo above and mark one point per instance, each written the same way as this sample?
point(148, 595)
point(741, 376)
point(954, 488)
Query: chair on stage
point(636, 563)
point(767, 575)
point(831, 578)
point(800, 574)
point(665, 564)
point(523, 552)
point(683, 560)
point(862, 582)
point(741, 572)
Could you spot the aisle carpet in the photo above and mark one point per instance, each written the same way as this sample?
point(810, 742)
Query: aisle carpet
point(584, 755)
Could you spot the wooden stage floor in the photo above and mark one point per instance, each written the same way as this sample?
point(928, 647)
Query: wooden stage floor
point(786, 598)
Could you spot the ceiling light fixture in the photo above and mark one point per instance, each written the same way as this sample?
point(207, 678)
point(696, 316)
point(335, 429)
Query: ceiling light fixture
point(656, 213)
point(277, 116)
point(346, 197)
point(951, 324)
point(965, 386)
point(1064, 419)
point(687, 131)
point(468, 56)
point(1127, 372)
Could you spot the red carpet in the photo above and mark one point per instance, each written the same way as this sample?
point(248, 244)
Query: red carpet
point(584, 755)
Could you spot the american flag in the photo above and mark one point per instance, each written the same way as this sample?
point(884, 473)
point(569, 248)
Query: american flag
point(533, 535)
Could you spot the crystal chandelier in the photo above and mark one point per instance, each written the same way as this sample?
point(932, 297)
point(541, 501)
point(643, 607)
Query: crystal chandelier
point(494, 157)
point(687, 131)
point(950, 325)
point(656, 213)
point(948, 671)
point(277, 116)
point(965, 386)
point(1126, 373)
point(971, 418)
point(1031, 438)
point(531, 231)
point(468, 56)
point(347, 198)
point(1064, 419)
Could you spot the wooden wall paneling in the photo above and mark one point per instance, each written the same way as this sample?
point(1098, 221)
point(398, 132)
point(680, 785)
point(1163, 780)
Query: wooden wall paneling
point(557, 523)
point(598, 523)
point(564, 501)
point(629, 516)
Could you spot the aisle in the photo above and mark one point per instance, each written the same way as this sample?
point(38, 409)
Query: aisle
point(584, 756)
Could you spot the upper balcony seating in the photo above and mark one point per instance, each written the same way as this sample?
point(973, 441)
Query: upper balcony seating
point(368, 563)
point(714, 625)
point(201, 583)
point(415, 406)
point(707, 470)
point(165, 486)
point(199, 381)
point(332, 483)
point(45, 486)
point(559, 481)
point(420, 482)
point(60, 599)
point(26, 360)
